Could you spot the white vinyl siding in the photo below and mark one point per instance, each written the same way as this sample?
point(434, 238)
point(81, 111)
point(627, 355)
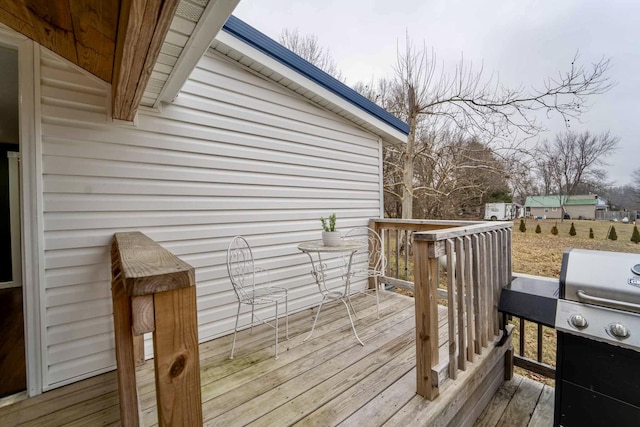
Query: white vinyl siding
point(234, 154)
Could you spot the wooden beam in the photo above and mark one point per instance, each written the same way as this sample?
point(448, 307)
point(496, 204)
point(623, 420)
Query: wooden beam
point(142, 27)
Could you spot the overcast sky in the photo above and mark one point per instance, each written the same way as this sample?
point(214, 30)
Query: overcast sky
point(523, 41)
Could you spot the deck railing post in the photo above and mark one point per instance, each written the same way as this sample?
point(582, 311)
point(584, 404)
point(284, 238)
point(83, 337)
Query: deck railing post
point(426, 301)
point(154, 291)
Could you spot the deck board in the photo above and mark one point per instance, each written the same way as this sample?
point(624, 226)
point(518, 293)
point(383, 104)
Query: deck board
point(519, 402)
point(328, 380)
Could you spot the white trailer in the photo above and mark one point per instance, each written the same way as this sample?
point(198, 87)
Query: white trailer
point(500, 211)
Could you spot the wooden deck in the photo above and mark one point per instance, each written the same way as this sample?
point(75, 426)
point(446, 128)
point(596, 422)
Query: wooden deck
point(329, 380)
point(520, 402)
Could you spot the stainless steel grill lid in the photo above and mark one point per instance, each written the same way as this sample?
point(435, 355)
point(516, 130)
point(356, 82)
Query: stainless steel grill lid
point(609, 279)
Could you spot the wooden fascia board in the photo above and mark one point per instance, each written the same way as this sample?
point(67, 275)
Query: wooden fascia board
point(384, 130)
point(142, 27)
point(210, 23)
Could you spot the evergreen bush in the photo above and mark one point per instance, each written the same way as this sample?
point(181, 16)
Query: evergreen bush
point(538, 229)
point(635, 236)
point(591, 233)
point(523, 226)
point(554, 229)
point(572, 230)
point(612, 234)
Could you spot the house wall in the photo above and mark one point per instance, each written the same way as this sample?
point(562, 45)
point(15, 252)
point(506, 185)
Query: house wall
point(586, 211)
point(234, 154)
point(551, 213)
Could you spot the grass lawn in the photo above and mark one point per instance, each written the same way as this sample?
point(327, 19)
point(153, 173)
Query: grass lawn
point(541, 254)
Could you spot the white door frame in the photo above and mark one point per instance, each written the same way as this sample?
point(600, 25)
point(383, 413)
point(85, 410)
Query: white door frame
point(30, 202)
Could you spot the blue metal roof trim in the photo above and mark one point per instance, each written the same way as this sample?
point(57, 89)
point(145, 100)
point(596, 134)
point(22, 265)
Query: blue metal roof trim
point(270, 47)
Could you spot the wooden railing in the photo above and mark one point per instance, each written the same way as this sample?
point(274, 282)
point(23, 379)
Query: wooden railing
point(462, 263)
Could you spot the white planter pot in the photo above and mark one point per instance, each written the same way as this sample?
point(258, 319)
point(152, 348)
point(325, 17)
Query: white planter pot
point(331, 238)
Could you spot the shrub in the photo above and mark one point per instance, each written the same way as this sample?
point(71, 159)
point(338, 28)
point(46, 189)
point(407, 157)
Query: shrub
point(591, 233)
point(572, 230)
point(538, 229)
point(523, 226)
point(612, 234)
point(635, 236)
point(554, 229)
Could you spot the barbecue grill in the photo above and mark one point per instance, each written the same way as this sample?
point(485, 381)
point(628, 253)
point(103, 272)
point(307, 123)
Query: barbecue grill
point(598, 350)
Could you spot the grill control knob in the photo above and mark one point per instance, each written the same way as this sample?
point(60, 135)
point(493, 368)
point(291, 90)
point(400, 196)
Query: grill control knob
point(578, 321)
point(618, 330)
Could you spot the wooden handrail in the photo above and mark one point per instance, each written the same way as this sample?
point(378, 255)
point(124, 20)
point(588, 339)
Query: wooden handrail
point(477, 266)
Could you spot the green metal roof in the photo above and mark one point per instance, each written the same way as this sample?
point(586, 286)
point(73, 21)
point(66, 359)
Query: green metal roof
point(558, 201)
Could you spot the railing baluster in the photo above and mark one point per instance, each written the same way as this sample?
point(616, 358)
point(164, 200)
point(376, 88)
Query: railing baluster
point(522, 326)
point(477, 297)
point(468, 279)
point(460, 299)
point(496, 283)
point(398, 253)
point(451, 312)
point(539, 342)
point(406, 254)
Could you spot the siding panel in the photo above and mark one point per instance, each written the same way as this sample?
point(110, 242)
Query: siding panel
point(234, 154)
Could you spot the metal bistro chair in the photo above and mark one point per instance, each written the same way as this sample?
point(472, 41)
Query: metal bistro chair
point(377, 261)
point(242, 273)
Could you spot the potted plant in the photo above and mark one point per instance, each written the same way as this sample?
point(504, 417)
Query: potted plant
point(330, 237)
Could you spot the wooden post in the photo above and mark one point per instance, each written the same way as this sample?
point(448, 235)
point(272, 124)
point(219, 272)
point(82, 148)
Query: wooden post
point(154, 291)
point(426, 301)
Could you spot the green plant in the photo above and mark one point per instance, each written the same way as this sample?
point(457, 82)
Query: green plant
point(523, 226)
point(538, 229)
point(591, 233)
point(572, 230)
point(330, 224)
point(612, 234)
point(554, 229)
point(635, 236)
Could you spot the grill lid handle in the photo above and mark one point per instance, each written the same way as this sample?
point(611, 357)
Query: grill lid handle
point(608, 302)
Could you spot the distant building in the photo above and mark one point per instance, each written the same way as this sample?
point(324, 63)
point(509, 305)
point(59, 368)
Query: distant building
point(557, 206)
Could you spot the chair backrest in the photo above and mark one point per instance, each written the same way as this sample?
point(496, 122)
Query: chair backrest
point(241, 267)
point(377, 260)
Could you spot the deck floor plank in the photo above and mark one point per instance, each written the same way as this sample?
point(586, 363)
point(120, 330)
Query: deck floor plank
point(288, 381)
point(328, 380)
point(522, 405)
point(499, 402)
point(376, 411)
point(543, 414)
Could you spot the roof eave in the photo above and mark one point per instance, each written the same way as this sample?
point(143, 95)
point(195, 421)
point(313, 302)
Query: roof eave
point(209, 24)
point(252, 43)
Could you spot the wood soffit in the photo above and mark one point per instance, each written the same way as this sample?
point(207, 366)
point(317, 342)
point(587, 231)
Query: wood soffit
point(116, 40)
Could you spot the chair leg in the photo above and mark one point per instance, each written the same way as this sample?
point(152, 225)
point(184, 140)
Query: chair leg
point(377, 296)
point(286, 313)
point(276, 329)
point(235, 332)
point(252, 317)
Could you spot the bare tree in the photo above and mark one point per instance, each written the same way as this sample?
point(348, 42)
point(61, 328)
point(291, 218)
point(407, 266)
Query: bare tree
point(426, 97)
point(308, 48)
point(635, 176)
point(573, 161)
